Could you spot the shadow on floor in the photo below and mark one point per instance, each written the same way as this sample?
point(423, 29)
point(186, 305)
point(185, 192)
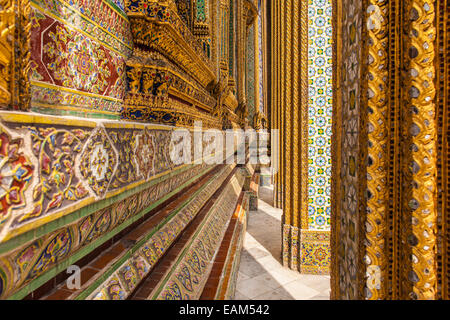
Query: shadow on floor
point(261, 275)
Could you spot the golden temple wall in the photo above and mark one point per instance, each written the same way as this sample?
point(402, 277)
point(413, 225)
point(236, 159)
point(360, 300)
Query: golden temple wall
point(102, 85)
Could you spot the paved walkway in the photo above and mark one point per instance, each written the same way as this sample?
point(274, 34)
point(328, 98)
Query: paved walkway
point(261, 275)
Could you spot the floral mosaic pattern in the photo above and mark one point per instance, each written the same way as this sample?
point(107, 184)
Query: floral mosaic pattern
point(153, 249)
point(51, 170)
point(250, 73)
point(99, 162)
point(315, 252)
point(78, 54)
point(320, 113)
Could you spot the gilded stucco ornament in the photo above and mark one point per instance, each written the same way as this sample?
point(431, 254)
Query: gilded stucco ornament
point(396, 175)
point(242, 113)
point(377, 188)
point(170, 80)
point(15, 28)
point(7, 27)
point(157, 26)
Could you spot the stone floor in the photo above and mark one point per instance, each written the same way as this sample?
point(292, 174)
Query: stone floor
point(261, 275)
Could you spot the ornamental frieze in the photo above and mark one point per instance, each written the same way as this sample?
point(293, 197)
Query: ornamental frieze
point(148, 77)
point(152, 250)
point(170, 112)
point(192, 269)
point(157, 26)
point(72, 67)
point(52, 166)
point(36, 258)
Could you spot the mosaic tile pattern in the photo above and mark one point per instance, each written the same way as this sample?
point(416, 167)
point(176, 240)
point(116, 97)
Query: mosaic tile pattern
point(320, 113)
point(154, 248)
point(349, 228)
point(260, 53)
point(201, 10)
point(315, 252)
point(250, 73)
point(62, 167)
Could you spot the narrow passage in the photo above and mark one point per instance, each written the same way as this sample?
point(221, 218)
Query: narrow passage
point(261, 275)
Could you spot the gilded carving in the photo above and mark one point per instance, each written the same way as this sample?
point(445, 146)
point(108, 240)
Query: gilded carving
point(7, 28)
point(419, 164)
point(15, 28)
point(157, 26)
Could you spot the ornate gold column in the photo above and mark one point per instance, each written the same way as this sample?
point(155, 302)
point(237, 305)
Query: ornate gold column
point(245, 17)
point(289, 108)
point(377, 154)
point(336, 149)
point(420, 160)
point(387, 170)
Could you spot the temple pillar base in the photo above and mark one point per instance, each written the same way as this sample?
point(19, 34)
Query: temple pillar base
point(306, 251)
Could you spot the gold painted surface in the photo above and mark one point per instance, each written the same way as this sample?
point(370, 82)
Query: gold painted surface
point(377, 183)
point(419, 164)
point(172, 38)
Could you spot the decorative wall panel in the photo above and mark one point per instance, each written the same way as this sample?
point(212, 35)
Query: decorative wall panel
point(60, 167)
point(250, 73)
point(78, 56)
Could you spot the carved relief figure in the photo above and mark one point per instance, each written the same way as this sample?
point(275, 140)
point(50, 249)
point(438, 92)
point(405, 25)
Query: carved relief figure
point(134, 79)
point(160, 86)
point(148, 81)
